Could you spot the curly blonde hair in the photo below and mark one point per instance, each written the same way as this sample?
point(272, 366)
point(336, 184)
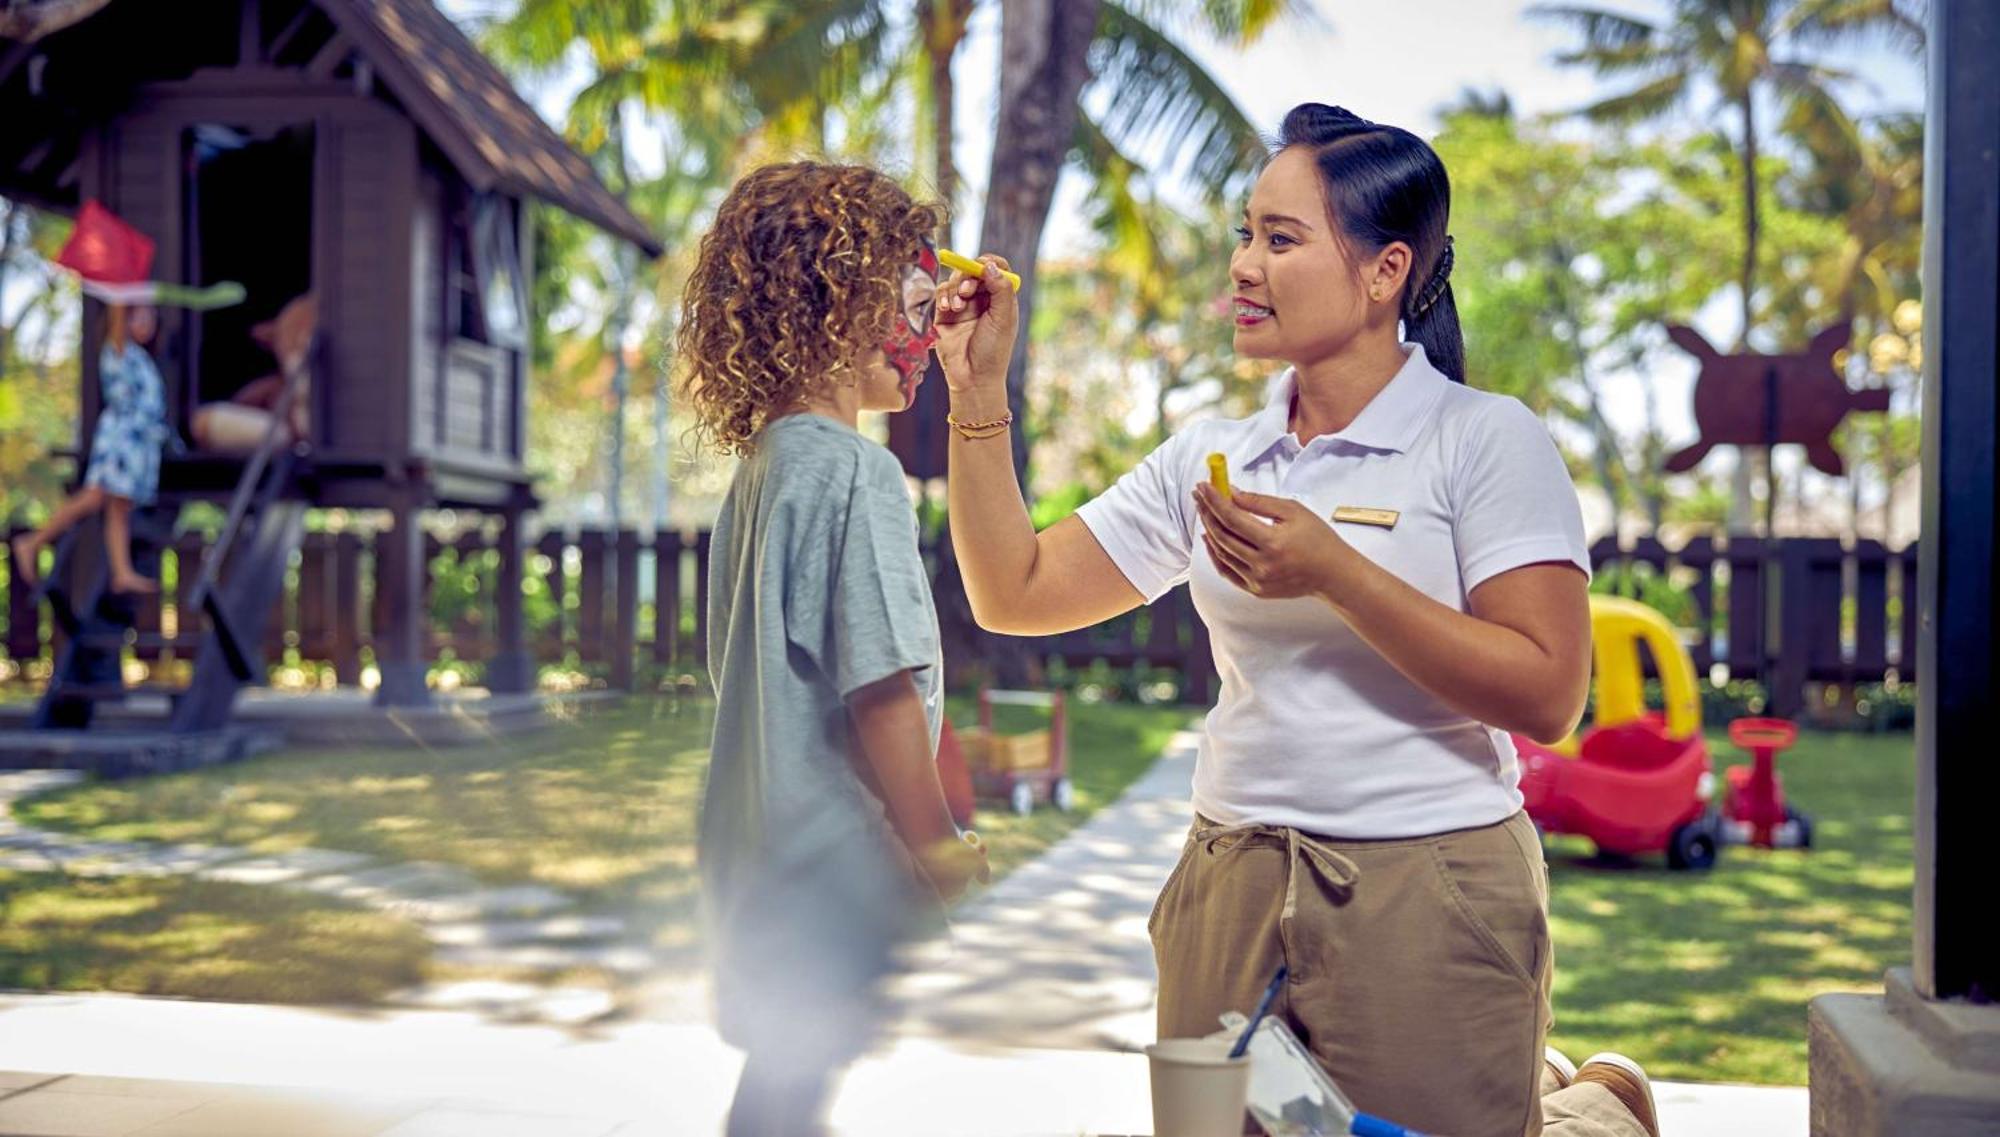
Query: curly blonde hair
point(799, 276)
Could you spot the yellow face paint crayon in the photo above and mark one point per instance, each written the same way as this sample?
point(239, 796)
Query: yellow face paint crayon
point(1218, 473)
point(970, 267)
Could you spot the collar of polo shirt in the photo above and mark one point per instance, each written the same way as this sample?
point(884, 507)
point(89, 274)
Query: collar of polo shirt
point(1390, 421)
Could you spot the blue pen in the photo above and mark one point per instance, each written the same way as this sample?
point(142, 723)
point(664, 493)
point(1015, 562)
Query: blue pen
point(1366, 1126)
point(1263, 1008)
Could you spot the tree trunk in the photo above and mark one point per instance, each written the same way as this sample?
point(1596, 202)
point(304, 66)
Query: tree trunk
point(9, 217)
point(1607, 456)
point(943, 25)
point(621, 315)
point(1044, 64)
point(662, 449)
point(1749, 459)
point(1747, 277)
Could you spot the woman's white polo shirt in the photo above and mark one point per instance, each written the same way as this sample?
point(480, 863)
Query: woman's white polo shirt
point(1313, 729)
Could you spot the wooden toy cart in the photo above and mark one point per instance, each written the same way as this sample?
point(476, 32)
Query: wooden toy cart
point(1023, 770)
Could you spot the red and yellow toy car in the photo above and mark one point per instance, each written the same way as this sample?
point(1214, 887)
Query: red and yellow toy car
point(1636, 781)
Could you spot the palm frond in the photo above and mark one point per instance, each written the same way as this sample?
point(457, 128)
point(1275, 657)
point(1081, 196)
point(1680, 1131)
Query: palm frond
point(1790, 74)
point(1649, 101)
point(1244, 22)
point(538, 34)
point(1160, 103)
point(1828, 23)
point(1601, 30)
point(1813, 116)
point(819, 51)
point(1120, 215)
point(1238, 23)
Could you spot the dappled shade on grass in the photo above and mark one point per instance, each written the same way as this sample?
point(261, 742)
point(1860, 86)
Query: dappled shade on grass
point(198, 939)
point(603, 807)
point(1699, 976)
point(1706, 976)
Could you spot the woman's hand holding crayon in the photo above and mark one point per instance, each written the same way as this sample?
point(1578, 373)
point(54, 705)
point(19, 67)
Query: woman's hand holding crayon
point(976, 322)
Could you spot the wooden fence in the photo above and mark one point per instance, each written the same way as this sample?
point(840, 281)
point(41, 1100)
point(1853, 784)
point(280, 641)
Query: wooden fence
point(619, 602)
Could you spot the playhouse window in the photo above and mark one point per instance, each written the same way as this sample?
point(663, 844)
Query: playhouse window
point(492, 297)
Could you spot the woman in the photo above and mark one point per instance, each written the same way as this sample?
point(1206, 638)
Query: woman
point(1405, 586)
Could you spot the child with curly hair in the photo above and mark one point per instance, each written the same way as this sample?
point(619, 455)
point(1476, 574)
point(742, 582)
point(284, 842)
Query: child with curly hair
point(825, 839)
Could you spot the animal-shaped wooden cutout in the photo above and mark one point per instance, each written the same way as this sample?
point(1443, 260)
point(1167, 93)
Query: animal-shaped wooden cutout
point(1754, 399)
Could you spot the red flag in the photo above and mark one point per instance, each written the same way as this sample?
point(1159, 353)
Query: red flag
point(105, 249)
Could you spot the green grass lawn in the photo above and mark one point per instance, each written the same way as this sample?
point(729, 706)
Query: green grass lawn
point(1700, 976)
point(1705, 976)
point(603, 807)
point(205, 940)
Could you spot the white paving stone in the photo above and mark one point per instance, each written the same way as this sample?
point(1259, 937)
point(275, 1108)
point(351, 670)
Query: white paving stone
point(381, 886)
point(88, 855)
point(21, 783)
point(285, 868)
point(624, 959)
point(520, 901)
point(562, 1006)
point(26, 860)
point(506, 933)
point(166, 860)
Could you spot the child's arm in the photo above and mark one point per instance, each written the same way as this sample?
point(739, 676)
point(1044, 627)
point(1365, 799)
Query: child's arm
point(895, 742)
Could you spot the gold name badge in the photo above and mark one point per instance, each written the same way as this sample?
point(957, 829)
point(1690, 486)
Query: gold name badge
point(1362, 515)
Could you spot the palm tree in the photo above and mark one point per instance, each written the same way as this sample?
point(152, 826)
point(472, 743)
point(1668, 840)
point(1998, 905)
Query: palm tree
point(1740, 55)
point(941, 28)
point(1109, 83)
point(1874, 184)
point(722, 80)
point(1745, 53)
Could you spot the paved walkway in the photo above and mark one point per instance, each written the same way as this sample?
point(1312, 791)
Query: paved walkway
point(1025, 1027)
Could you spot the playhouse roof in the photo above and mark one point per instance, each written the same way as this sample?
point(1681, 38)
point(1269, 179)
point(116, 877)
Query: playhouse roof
point(474, 114)
point(453, 93)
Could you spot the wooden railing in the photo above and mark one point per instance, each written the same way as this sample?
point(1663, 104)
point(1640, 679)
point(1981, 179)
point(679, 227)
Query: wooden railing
point(622, 602)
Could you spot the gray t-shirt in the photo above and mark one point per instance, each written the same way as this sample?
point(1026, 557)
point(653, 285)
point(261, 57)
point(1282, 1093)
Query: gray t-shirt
point(816, 589)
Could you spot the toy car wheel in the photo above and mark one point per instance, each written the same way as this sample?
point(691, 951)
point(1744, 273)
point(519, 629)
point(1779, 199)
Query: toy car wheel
point(1801, 826)
point(1063, 795)
point(1022, 797)
point(1693, 846)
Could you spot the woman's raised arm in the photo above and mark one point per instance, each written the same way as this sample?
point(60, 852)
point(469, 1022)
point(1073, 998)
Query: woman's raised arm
point(1019, 582)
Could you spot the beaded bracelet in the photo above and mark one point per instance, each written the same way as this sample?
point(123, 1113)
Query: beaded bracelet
point(971, 431)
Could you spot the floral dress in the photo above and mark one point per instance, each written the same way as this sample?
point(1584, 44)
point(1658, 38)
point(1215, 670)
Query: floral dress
point(125, 450)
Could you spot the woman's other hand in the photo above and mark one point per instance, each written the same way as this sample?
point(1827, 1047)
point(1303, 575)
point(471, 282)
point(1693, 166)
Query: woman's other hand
point(1270, 547)
point(976, 327)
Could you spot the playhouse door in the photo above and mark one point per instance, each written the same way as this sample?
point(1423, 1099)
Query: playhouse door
point(249, 210)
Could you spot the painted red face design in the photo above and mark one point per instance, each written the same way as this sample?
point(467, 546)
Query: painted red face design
point(915, 332)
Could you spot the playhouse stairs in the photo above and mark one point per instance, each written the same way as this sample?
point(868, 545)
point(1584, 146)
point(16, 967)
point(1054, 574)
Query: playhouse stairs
point(242, 578)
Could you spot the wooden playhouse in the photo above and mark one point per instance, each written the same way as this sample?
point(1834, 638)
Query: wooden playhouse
point(365, 153)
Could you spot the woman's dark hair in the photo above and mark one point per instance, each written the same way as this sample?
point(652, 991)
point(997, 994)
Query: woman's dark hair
point(1384, 184)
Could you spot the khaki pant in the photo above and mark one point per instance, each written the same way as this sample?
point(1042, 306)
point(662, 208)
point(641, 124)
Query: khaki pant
point(1419, 968)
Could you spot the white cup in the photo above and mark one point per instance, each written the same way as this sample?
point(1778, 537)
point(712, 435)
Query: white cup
point(1198, 1089)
